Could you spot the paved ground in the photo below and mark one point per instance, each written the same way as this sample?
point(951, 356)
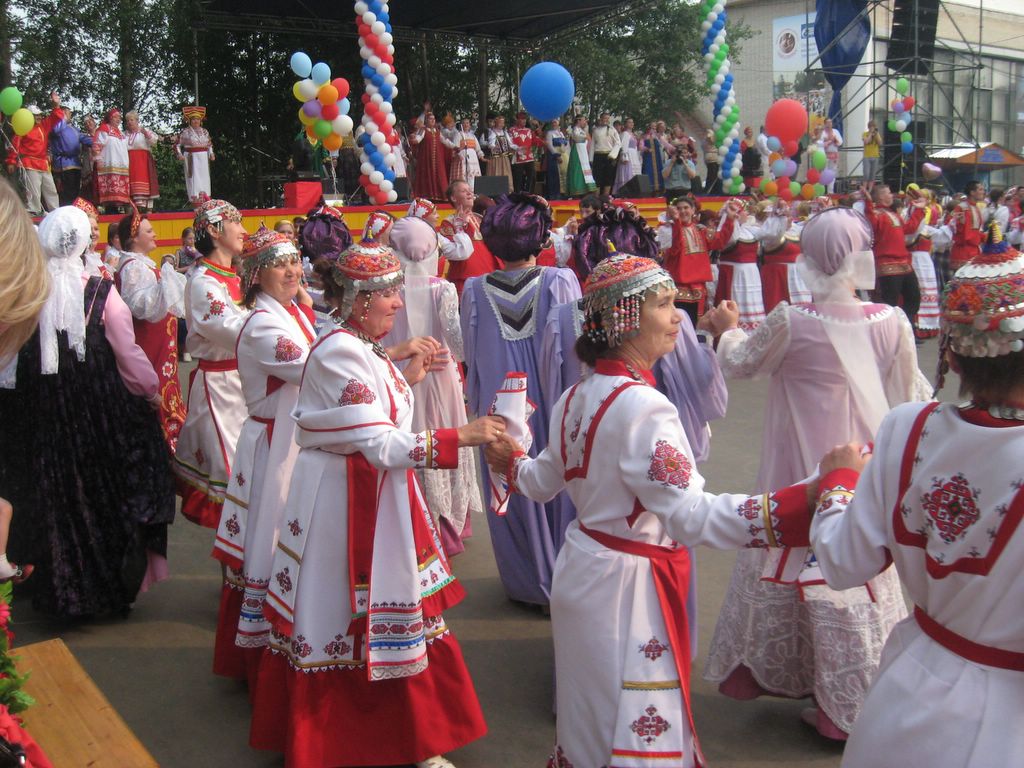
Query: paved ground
point(154, 666)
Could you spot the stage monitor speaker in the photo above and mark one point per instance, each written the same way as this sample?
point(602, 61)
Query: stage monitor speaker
point(912, 40)
point(638, 186)
point(491, 186)
point(402, 187)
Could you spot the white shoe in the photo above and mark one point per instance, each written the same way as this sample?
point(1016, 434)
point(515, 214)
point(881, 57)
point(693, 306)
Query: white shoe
point(437, 761)
point(186, 358)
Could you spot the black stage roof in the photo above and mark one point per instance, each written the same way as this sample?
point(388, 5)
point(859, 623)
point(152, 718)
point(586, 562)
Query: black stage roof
point(517, 23)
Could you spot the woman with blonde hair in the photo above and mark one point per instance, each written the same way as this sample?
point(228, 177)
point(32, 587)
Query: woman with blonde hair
point(24, 281)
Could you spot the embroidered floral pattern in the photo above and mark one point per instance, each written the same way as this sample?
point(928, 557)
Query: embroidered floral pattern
point(300, 647)
point(284, 581)
point(356, 393)
point(650, 725)
point(418, 454)
point(338, 646)
point(750, 509)
point(575, 430)
point(216, 306)
point(951, 507)
point(653, 649)
point(294, 527)
point(232, 525)
point(240, 478)
point(200, 456)
point(669, 466)
point(286, 350)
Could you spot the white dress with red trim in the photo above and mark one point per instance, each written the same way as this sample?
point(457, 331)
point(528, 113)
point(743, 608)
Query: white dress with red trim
point(362, 669)
point(738, 277)
point(216, 405)
point(271, 352)
point(798, 639)
point(942, 499)
point(618, 597)
point(926, 324)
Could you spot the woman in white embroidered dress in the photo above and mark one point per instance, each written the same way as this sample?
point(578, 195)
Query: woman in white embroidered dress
point(949, 686)
point(271, 351)
point(432, 309)
point(618, 598)
point(142, 179)
point(836, 366)
point(362, 669)
point(216, 405)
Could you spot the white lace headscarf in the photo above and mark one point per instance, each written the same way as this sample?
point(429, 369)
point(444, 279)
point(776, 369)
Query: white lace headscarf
point(65, 235)
point(415, 244)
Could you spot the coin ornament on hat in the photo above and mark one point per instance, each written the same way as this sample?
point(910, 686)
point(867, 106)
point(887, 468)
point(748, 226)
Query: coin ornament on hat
point(614, 292)
point(366, 267)
point(211, 214)
point(265, 248)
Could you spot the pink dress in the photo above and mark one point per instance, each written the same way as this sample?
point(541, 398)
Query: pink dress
point(795, 640)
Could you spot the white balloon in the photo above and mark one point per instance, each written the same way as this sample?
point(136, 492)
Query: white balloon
point(371, 89)
point(392, 196)
point(394, 91)
point(345, 125)
point(389, 161)
point(307, 89)
point(742, 186)
point(365, 52)
point(377, 139)
point(719, 118)
point(385, 185)
point(366, 168)
point(391, 79)
point(371, 128)
point(386, 107)
point(369, 16)
point(385, 38)
point(385, 148)
point(360, 131)
point(338, 126)
point(718, 7)
point(715, 88)
point(376, 177)
point(709, 57)
point(378, 27)
point(727, 142)
point(720, 38)
point(712, 17)
point(901, 125)
point(383, 7)
point(713, 48)
point(735, 133)
point(377, 98)
point(391, 50)
point(383, 69)
point(373, 61)
point(723, 151)
point(390, 119)
point(705, 26)
point(731, 101)
point(361, 8)
point(726, 110)
point(719, 78)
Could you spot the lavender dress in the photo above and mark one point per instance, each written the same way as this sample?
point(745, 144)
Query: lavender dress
point(504, 315)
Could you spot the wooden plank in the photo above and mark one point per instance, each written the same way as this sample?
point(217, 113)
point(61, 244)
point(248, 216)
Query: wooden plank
point(72, 720)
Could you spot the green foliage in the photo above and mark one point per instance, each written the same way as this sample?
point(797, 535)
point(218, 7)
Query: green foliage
point(11, 681)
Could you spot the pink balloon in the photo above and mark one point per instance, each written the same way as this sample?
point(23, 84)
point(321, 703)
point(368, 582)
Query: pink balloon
point(930, 171)
point(312, 108)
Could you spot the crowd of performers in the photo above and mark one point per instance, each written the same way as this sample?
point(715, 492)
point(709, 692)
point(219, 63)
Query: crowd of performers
point(329, 440)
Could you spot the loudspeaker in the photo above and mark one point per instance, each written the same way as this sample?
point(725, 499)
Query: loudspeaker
point(491, 186)
point(912, 40)
point(402, 187)
point(638, 186)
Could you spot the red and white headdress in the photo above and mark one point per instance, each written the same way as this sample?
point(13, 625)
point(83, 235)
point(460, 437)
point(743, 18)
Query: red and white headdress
point(364, 267)
point(376, 223)
point(191, 112)
point(265, 248)
point(613, 293)
point(421, 208)
point(84, 205)
point(211, 214)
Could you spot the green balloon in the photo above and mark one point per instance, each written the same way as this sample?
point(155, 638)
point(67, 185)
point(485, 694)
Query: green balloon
point(22, 121)
point(819, 160)
point(819, 190)
point(892, 125)
point(902, 86)
point(724, 47)
point(322, 128)
point(906, 136)
point(794, 187)
point(764, 183)
point(10, 100)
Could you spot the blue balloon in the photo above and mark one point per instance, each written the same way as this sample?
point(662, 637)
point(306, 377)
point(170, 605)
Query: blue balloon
point(367, 72)
point(302, 65)
point(779, 168)
point(907, 147)
point(387, 91)
point(362, 139)
point(908, 117)
point(321, 73)
point(389, 175)
point(547, 90)
point(774, 144)
point(377, 80)
point(343, 106)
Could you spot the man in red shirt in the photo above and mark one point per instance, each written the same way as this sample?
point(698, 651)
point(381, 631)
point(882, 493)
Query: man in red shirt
point(688, 258)
point(969, 227)
point(895, 281)
point(524, 172)
point(29, 155)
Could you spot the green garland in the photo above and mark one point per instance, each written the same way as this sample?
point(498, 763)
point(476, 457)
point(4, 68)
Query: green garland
point(11, 681)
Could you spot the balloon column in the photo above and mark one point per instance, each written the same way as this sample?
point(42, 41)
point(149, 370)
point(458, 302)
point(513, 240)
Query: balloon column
point(785, 124)
point(21, 119)
point(376, 136)
point(720, 80)
point(324, 109)
point(902, 116)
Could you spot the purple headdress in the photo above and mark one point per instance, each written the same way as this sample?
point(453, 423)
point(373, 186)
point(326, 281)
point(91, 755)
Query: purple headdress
point(324, 235)
point(624, 228)
point(518, 226)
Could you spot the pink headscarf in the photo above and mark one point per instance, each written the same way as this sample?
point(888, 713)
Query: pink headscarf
point(831, 236)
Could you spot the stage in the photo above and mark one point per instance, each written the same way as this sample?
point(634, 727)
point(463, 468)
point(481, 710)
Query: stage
point(168, 225)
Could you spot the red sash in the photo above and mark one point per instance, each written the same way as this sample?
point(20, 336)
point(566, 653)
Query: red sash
point(968, 649)
point(671, 571)
point(212, 366)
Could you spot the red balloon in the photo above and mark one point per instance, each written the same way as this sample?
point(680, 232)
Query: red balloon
point(786, 119)
point(813, 175)
point(366, 98)
point(909, 102)
point(393, 139)
point(785, 193)
point(783, 183)
point(370, 40)
point(342, 85)
point(790, 148)
point(381, 197)
point(329, 112)
point(371, 189)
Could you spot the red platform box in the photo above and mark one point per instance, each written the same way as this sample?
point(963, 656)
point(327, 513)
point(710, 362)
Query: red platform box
point(303, 195)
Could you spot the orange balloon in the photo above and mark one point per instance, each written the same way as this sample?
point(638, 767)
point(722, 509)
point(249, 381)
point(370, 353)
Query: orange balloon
point(332, 142)
point(311, 134)
point(771, 188)
point(774, 156)
point(807, 191)
point(327, 94)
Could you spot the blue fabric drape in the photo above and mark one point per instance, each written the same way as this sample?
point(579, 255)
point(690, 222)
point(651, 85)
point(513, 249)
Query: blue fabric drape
point(848, 46)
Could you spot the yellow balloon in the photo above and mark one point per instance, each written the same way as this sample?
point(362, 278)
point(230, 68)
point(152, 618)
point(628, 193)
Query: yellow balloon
point(306, 119)
point(296, 91)
point(22, 121)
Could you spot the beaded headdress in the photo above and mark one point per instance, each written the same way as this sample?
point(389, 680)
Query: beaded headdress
point(983, 304)
point(364, 267)
point(613, 293)
point(376, 223)
point(191, 112)
point(211, 214)
point(265, 248)
point(421, 208)
point(84, 205)
point(136, 222)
